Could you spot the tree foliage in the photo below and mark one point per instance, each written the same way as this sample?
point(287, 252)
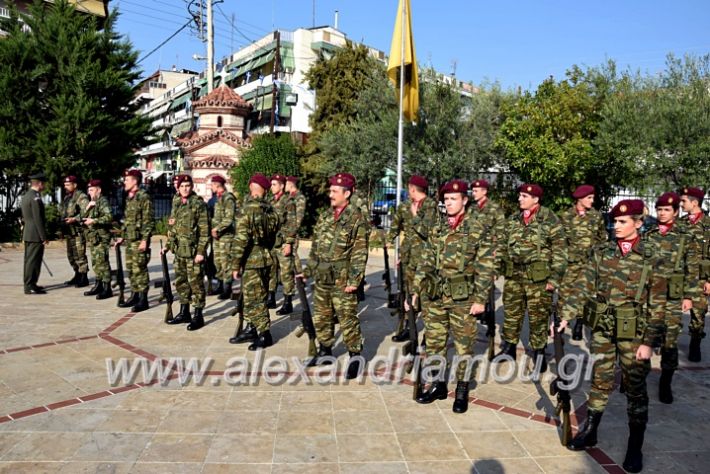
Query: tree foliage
point(268, 155)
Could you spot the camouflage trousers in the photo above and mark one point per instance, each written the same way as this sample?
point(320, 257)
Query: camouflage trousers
point(190, 281)
point(633, 373)
point(573, 273)
point(137, 266)
point(444, 315)
point(254, 287)
point(700, 309)
point(222, 249)
point(76, 253)
point(331, 299)
point(282, 269)
point(99, 261)
point(520, 294)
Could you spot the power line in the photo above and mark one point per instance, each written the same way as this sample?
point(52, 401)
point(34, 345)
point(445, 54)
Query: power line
point(165, 41)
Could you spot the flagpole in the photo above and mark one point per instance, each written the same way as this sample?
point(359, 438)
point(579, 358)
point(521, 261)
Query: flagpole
point(400, 133)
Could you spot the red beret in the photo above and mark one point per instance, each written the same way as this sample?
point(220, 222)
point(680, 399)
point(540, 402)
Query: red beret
point(218, 179)
point(70, 179)
point(292, 179)
point(583, 191)
point(697, 193)
point(454, 186)
point(480, 183)
point(419, 181)
point(279, 177)
point(347, 176)
point(628, 207)
point(261, 180)
point(136, 174)
point(95, 183)
point(344, 180)
point(531, 189)
point(184, 178)
point(669, 199)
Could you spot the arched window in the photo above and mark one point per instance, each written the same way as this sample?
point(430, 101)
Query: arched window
point(219, 121)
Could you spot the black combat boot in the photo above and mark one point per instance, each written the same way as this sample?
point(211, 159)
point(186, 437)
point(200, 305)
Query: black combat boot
point(665, 394)
point(507, 349)
point(106, 291)
point(587, 435)
point(96, 289)
point(633, 461)
point(287, 307)
point(577, 331)
point(403, 335)
point(82, 281)
point(436, 391)
point(226, 292)
point(248, 334)
point(198, 320)
point(73, 279)
point(262, 342)
point(142, 303)
point(182, 317)
point(354, 365)
point(271, 300)
point(540, 354)
point(694, 347)
point(323, 352)
point(132, 300)
point(461, 401)
point(217, 290)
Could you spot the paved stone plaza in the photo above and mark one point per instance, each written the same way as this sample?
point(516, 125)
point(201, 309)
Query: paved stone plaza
point(59, 413)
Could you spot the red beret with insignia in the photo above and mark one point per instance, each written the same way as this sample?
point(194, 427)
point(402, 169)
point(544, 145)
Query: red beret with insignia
point(454, 186)
point(279, 177)
point(70, 179)
point(218, 179)
point(184, 178)
point(532, 189)
point(135, 174)
point(261, 180)
point(628, 207)
point(480, 183)
point(347, 176)
point(344, 180)
point(95, 183)
point(669, 199)
point(583, 191)
point(292, 179)
point(697, 193)
point(419, 181)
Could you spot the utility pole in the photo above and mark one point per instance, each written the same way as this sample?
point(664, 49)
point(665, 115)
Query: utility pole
point(274, 78)
point(210, 48)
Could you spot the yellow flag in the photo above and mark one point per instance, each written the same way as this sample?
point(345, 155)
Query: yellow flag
point(410, 104)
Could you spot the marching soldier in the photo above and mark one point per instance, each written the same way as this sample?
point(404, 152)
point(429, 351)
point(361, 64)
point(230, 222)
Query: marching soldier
point(534, 255)
point(188, 241)
point(97, 219)
point(621, 299)
point(679, 266)
point(584, 229)
point(698, 224)
point(34, 234)
point(223, 227)
point(257, 225)
point(300, 202)
point(282, 267)
point(455, 273)
point(337, 263)
point(136, 232)
point(72, 208)
point(415, 219)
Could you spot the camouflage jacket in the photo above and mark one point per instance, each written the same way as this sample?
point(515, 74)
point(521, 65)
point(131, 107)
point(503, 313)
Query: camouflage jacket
point(466, 252)
point(677, 260)
point(358, 202)
point(342, 243)
point(583, 233)
point(494, 220)
point(257, 225)
point(701, 231)
point(100, 230)
point(615, 279)
point(138, 223)
point(190, 232)
point(73, 205)
point(415, 229)
point(285, 207)
point(300, 201)
point(225, 214)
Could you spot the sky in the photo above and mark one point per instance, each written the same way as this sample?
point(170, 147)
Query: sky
point(517, 43)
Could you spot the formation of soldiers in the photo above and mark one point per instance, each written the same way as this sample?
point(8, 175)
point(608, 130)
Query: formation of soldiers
point(630, 291)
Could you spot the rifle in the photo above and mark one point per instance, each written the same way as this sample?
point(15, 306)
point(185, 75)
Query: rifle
point(307, 326)
point(120, 280)
point(238, 310)
point(167, 290)
point(387, 278)
point(401, 297)
point(210, 269)
point(489, 319)
point(564, 402)
point(413, 348)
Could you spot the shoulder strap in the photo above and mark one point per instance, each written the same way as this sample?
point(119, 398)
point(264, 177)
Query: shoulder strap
point(679, 258)
point(644, 274)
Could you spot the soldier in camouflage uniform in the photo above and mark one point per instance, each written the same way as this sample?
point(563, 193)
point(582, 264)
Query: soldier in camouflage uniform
point(534, 254)
point(679, 266)
point(282, 268)
point(455, 272)
point(223, 227)
point(299, 201)
point(71, 209)
point(188, 241)
point(254, 239)
point(337, 263)
point(359, 203)
point(488, 209)
point(138, 225)
point(414, 219)
point(621, 299)
point(697, 223)
point(97, 219)
point(584, 229)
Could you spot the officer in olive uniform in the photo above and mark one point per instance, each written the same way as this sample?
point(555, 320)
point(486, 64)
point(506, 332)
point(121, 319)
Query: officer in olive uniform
point(34, 234)
point(72, 208)
point(621, 300)
point(138, 225)
point(455, 271)
point(188, 241)
point(697, 222)
point(97, 220)
point(282, 268)
point(534, 253)
point(223, 226)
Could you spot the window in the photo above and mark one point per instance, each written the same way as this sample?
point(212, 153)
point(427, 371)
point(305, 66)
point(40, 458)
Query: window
point(219, 121)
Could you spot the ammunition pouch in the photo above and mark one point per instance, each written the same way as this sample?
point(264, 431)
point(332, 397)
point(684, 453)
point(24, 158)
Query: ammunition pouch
point(506, 268)
point(675, 286)
point(457, 287)
point(538, 272)
point(433, 289)
point(705, 269)
point(627, 320)
point(186, 248)
point(593, 312)
point(325, 273)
